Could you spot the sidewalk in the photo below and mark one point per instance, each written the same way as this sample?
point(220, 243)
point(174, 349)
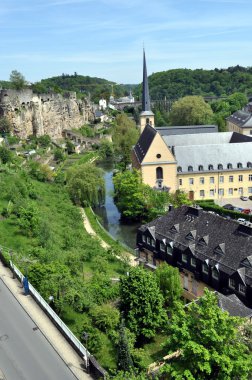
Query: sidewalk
point(51, 333)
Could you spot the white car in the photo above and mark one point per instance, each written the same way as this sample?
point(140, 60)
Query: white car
point(241, 220)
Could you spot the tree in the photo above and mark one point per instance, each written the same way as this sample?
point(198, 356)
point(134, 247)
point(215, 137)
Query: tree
point(5, 125)
point(17, 80)
point(105, 317)
point(191, 110)
point(5, 154)
point(59, 155)
point(29, 219)
point(44, 141)
point(124, 360)
point(169, 282)
point(142, 303)
point(209, 343)
point(85, 185)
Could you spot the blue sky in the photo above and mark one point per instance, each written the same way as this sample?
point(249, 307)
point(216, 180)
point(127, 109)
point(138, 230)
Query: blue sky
point(104, 38)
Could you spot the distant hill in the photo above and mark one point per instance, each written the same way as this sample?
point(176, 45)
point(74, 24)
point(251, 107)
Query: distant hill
point(177, 83)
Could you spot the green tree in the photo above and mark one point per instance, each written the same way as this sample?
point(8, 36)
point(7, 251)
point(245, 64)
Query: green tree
point(142, 303)
point(85, 185)
point(44, 141)
point(191, 110)
point(105, 317)
point(169, 282)
point(29, 219)
point(124, 359)
point(208, 341)
point(59, 155)
point(70, 148)
point(5, 154)
point(5, 125)
point(17, 80)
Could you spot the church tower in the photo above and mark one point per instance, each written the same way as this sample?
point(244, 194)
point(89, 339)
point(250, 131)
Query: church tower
point(146, 116)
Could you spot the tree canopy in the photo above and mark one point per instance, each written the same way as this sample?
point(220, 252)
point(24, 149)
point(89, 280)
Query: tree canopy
point(85, 185)
point(209, 343)
point(191, 110)
point(169, 282)
point(17, 80)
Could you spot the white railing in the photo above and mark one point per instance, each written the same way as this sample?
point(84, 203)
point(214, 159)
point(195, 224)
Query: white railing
point(58, 322)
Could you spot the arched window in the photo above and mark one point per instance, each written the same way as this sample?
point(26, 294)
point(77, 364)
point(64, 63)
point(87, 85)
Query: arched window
point(210, 167)
point(190, 168)
point(249, 164)
point(239, 165)
point(159, 173)
point(229, 166)
point(179, 169)
point(220, 167)
point(147, 120)
point(201, 168)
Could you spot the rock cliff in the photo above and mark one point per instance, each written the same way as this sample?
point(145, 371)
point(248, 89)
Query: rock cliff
point(49, 114)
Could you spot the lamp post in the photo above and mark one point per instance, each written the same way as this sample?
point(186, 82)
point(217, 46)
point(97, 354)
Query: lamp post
point(85, 336)
point(12, 267)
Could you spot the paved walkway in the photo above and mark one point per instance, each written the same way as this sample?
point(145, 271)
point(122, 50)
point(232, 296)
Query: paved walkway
point(90, 231)
point(51, 333)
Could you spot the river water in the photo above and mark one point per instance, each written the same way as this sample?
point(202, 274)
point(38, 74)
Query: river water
point(109, 214)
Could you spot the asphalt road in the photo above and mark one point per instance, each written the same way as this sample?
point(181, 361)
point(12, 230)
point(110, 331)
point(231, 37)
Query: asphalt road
point(25, 354)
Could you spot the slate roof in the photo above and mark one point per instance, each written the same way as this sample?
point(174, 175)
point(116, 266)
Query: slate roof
point(198, 139)
point(233, 306)
point(186, 129)
point(242, 119)
point(236, 237)
point(144, 142)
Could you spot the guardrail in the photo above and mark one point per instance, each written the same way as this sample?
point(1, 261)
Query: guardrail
point(77, 345)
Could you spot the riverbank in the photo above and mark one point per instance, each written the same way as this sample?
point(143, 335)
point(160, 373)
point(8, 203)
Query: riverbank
point(94, 228)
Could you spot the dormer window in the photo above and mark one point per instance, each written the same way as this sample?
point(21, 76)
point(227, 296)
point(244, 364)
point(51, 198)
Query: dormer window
point(184, 257)
point(205, 268)
point(210, 167)
point(239, 165)
point(190, 168)
point(249, 164)
point(153, 244)
point(231, 283)
point(220, 249)
point(191, 235)
point(229, 166)
point(203, 241)
point(242, 289)
point(162, 247)
point(201, 168)
point(169, 249)
point(193, 262)
point(215, 274)
point(148, 240)
point(175, 228)
point(220, 167)
point(144, 238)
point(179, 169)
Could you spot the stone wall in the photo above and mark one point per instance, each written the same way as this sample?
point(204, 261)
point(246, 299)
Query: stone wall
point(49, 114)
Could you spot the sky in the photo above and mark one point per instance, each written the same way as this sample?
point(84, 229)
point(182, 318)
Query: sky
point(105, 38)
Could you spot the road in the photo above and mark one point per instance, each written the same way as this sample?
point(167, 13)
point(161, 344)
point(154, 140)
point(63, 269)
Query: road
point(25, 354)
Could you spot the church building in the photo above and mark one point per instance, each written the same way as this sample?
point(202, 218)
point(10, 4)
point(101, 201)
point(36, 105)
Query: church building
point(195, 159)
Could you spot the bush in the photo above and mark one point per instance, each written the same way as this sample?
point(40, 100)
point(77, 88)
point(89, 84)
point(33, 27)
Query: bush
point(105, 317)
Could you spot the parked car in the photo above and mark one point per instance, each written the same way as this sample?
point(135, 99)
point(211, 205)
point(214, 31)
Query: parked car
point(243, 198)
point(241, 220)
point(228, 207)
point(246, 211)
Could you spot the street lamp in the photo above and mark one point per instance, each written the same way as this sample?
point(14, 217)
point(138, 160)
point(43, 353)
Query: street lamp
point(85, 336)
point(12, 265)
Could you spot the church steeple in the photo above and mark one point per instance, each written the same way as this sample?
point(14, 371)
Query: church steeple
point(146, 116)
point(145, 96)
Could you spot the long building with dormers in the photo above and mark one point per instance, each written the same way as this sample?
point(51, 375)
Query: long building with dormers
point(195, 159)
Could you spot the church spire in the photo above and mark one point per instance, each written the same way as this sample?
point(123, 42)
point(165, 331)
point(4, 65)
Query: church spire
point(145, 95)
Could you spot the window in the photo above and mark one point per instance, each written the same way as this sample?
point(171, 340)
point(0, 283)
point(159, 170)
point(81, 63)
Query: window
point(250, 190)
point(184, 257)
point(201, 168)
point(144, 238)
point(250, 177)
point(210, 167)
point(159, 173)
point(231, 178)
point(190, 168)
point(240, 190)
point(202, 180)
point(242, 288)
point(193, 262)
point(221, 191)
point(211, 179)
point(153, 243)
point(162, 247)
point(179, 169)
point(202, 193)
point(239, 165)
point(211, 192)
point(205, 268)
point(148, 240)
point(240, 178)
point(230, 191)
point(215, 274)
point(158, 155)
point(229, 166)
point(221, 179)
point(231, 283)
point(191, 181)
point(180, 182)
point(249, 164)
point(169, 250)
point(220, 167)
